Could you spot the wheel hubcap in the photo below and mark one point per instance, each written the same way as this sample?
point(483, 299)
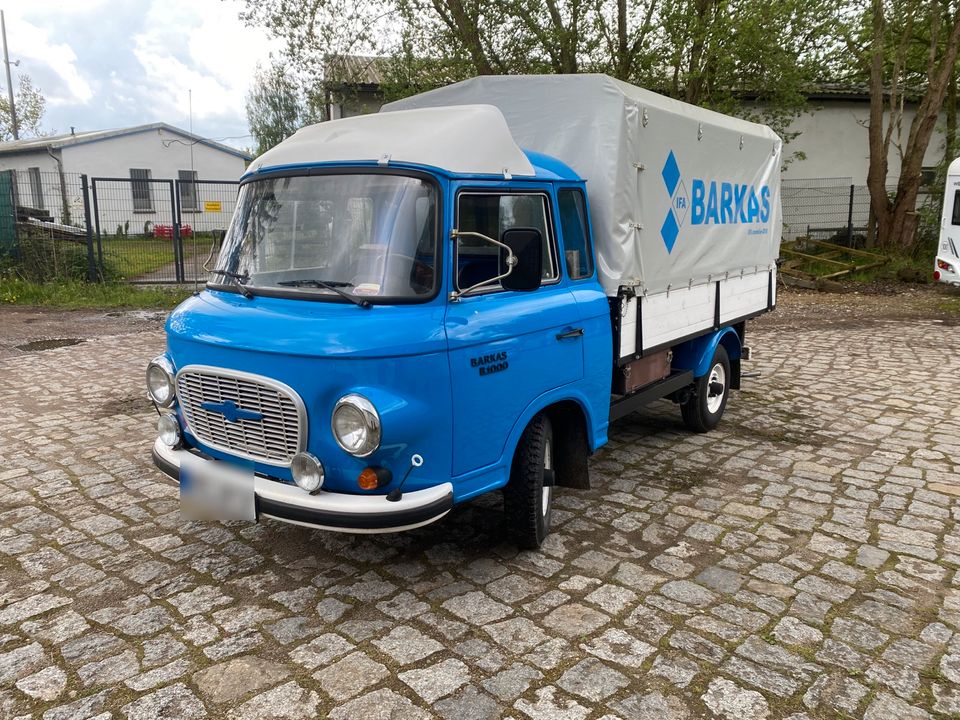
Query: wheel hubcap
point(716, 388)
point(547, 465)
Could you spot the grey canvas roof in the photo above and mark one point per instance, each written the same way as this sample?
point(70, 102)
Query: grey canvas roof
point(82, 137)
point(471, 139)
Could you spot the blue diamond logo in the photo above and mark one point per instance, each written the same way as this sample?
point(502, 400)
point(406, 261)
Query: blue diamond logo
point(669, 231)
point(671, 173)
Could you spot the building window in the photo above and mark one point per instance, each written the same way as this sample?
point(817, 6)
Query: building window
point(928, 176)
point(36, 188)
point(140, 188)
point(188, 189)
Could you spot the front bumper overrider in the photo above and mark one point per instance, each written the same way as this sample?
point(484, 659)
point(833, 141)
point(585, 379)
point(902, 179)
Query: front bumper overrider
point(333, 511)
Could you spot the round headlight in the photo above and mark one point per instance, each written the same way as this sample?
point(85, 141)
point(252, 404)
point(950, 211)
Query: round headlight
point(160, 381)
point(169, 430)
point(356, 425)
point(307, 472)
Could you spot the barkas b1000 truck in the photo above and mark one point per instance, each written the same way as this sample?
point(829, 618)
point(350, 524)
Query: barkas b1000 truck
point(458, 294)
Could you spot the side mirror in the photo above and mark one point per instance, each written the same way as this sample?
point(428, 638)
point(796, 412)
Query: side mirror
point(526, 244)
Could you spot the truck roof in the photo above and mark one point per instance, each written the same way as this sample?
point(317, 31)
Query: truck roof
point(679, 195)
point(468, 139)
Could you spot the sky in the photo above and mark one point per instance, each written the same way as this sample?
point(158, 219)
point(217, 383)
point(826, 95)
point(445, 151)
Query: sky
point(115, 63)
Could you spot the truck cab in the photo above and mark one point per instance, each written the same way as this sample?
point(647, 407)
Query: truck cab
point(358, 336)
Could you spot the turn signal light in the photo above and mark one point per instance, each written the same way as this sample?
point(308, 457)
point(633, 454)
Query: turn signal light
point(944, 265)
point(372, 478)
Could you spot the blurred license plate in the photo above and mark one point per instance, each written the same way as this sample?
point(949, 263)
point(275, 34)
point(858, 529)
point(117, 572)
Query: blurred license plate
point(212, 490)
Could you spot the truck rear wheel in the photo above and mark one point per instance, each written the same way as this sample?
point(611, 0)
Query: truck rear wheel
point(528, 496)
point(703, 410)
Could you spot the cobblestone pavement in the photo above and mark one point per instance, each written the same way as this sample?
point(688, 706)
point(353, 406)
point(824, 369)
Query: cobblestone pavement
point(800, 561)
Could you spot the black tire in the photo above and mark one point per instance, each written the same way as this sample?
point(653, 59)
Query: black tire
point(528, 496)
point(701, 412)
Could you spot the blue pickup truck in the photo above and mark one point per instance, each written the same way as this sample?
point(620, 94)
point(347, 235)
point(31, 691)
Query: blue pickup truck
point(457, 295)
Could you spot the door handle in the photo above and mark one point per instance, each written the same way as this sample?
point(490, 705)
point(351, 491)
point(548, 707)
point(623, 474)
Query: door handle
point(569, 334)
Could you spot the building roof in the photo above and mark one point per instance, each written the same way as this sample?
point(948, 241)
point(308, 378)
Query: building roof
point(354, 70)
point(469, 139)
point(54, 142)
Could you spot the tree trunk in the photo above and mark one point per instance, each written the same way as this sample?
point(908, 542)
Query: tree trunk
point(950, 139)
point(697, 49)
point(466, 28)
point(877, 170)
point(623, 61)
point(897, 220)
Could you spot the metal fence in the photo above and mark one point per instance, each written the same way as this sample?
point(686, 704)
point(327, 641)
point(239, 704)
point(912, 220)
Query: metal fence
point(42, 225)
point(140, 230)
point(155, 230)
point(825, 209)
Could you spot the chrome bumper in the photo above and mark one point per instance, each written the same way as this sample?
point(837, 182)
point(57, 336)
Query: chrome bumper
point(333, 511)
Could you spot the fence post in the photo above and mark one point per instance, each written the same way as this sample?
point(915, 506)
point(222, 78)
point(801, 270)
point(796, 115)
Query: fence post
point(91, 263)
point(96, 221)
point(177, 245)
point(850, 218)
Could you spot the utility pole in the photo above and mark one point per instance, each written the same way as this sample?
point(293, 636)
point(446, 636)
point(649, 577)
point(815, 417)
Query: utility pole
point(6, 64)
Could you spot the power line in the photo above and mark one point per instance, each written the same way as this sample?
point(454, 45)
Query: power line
point(168, 143)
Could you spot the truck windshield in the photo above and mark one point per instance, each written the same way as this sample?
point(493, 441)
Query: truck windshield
point(367, 235)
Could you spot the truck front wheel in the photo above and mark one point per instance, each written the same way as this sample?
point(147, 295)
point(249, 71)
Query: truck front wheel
point(705, 406)
point(528, 496)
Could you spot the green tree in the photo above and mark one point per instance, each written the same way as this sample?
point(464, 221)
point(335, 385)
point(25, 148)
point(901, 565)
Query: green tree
point(275, 107)
point(749, 57)
point(744, 57)
point(907, 50)
point(30, 105)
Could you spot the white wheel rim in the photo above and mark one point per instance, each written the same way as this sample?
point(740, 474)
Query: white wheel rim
point(547, 465)
point(717, 376)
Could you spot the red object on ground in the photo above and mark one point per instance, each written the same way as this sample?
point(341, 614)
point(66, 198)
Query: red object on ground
point(166, 231)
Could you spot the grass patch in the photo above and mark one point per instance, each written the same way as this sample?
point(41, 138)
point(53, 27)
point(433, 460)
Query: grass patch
point(922, 267)
point(77, 295)
point(950, 305)
point(132, 257)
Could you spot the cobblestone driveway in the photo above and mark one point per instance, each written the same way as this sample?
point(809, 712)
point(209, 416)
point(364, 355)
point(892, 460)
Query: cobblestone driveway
point(798, 562)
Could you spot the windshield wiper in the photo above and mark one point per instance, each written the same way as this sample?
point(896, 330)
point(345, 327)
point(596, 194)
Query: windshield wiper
point(332, 286)
point(310, 282)
point(239, 279)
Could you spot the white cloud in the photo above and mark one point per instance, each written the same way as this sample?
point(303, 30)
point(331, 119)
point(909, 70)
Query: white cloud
point(109, 63)
point(207, 50)
point(32, 46)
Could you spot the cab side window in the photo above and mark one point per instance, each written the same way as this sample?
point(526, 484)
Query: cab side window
point(576, 240)
point(491, 215)
point(956, 208)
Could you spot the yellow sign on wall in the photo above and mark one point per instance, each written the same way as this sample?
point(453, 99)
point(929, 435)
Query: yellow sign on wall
point(212, 206)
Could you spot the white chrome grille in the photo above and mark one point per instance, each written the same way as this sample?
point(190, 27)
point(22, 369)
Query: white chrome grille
point(276, 438)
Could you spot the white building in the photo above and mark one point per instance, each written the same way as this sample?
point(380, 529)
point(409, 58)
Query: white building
point(833, 137)
point(127, 163)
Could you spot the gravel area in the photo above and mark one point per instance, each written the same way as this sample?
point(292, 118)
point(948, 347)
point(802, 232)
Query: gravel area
point(798, 562)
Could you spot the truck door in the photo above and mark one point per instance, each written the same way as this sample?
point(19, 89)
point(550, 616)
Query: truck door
point(506, 348)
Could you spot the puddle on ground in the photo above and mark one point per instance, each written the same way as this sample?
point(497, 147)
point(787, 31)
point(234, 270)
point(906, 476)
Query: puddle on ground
point(38, 345)
point(128, 405)
point(150, 315)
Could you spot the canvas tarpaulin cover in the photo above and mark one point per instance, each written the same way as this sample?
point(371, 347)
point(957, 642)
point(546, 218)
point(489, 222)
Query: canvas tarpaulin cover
point(679, 195)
